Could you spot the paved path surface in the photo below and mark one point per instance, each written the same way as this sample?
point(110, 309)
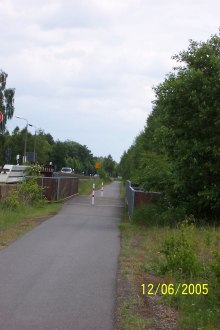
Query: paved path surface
point(62, 274)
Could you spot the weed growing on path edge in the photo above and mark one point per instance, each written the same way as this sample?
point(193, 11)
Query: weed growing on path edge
point(180, 257)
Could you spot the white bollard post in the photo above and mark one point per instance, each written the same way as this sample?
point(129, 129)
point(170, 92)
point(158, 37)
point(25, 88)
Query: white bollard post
point(93, 194)
point(102, 190)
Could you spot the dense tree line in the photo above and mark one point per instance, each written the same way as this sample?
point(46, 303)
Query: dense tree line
point(178, 152)
point(67, 153)
point(60, 153)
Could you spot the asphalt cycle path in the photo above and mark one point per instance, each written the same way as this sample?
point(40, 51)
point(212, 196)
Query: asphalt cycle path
point(62, 274)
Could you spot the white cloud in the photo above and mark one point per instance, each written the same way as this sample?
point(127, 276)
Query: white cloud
point(77, 65)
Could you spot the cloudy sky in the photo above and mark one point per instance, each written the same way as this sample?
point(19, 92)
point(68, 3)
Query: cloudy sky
point(83, 70)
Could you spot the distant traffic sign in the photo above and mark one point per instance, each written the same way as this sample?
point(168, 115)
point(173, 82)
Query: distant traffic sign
point(97, 165)
point(1, 116)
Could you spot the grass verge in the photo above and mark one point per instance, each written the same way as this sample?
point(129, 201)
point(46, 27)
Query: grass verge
point(143, 261)
point(15, 223)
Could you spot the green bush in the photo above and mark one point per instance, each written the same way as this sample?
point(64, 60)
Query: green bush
point(34, 170)
point(102, 174)
point(173, 215)
point(27, 192)
point(158, 215)
point(11, 202)
point(148, 215)
point(180, 257)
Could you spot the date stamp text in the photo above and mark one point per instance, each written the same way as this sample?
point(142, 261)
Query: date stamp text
point(174, 289)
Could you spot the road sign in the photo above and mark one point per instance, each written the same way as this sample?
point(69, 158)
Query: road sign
point(97, 165)
point(1, 116)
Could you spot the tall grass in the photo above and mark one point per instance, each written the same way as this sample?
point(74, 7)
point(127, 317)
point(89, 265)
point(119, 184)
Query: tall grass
point(191, 255)
point(178, 251)
point(9, 218)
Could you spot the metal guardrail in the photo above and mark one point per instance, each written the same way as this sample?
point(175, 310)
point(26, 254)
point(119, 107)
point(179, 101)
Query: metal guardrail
point(129, 197)
point(135, 197)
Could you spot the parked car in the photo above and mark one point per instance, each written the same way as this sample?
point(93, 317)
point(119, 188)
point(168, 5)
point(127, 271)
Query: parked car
point(66, 170)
